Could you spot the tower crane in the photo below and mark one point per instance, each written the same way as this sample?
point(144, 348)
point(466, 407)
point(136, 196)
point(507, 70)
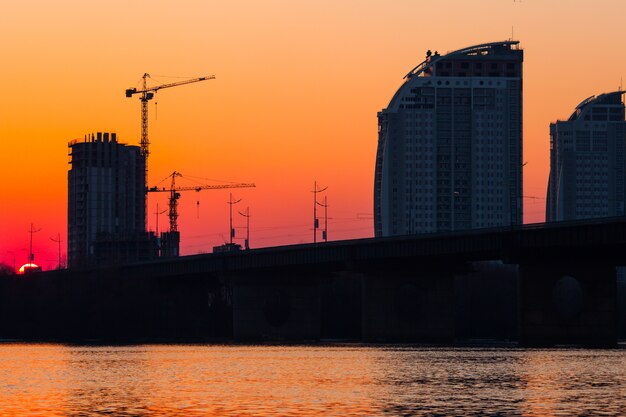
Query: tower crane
point(147, 94)
point(175, 195)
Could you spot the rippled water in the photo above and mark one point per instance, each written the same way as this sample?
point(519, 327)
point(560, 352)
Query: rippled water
point(180, 380)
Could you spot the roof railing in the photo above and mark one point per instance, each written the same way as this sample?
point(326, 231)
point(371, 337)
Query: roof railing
point(429, 61)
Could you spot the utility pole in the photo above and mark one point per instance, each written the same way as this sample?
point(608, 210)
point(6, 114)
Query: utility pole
point(232, 231)
point(247, 216)
point(58, 240)
point(31, 255)
point(316, 223)
point(325, 233)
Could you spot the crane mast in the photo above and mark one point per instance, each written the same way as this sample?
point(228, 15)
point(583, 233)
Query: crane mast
point(144, 120)
point(173, 203)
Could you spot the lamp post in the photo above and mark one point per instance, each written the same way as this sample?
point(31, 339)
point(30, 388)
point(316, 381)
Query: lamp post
point(316, 223)
point(325, 231)
point(31, 255)
point(232, 231)
point(246, 214)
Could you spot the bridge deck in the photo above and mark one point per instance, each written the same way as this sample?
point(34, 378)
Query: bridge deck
point(590, 240)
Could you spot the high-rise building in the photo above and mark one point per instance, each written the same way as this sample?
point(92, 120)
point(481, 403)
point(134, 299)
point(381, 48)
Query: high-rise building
point(106, 202)
point(587, 161)
point(450, 144)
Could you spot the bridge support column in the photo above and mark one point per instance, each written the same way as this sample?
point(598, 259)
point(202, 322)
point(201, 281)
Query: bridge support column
point(276, 308)
point(408, 307)
point(567, 305)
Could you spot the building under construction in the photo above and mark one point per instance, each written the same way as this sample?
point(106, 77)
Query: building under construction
point(107, 186)
point(106, 203)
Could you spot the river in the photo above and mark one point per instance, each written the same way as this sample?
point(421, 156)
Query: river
point(341, 380)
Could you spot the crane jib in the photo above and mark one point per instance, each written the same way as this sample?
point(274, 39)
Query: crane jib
point(199, 188)
point(175, 195)
point(131, 91)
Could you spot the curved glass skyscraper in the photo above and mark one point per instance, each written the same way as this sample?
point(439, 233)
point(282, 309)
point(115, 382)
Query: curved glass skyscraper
point(450, 144)
point(587, 161)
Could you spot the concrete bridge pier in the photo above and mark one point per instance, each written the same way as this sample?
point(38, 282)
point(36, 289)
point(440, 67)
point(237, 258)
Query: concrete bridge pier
point(411, 306)
point(276, 307)
point(570, 304)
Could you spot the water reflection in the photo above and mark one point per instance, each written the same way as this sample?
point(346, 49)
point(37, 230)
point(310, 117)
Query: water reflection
point(566, 382)
point(26, 371)
point(177, 380)
point(508, 382)
point(451, 382)
point(107, 381)
point(268, 380)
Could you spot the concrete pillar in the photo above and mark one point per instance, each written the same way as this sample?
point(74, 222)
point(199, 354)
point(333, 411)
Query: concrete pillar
point(567, 305)
point(621, 303)
point(486, 302)
point(341, 306)
point(279, 308)
point(408, 307)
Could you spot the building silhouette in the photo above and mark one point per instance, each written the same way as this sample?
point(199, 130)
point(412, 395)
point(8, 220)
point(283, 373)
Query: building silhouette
point(450, 144)
point(587, 161)
point(106, 203)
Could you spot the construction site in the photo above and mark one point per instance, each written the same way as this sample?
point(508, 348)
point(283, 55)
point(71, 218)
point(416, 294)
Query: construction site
point(107, 197)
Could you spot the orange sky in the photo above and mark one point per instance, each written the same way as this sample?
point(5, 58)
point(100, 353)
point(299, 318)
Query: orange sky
point(295, 99)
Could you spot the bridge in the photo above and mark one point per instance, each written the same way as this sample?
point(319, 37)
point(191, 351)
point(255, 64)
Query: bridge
point(401, 287)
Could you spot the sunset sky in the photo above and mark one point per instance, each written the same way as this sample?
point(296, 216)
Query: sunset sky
point(298, 85)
